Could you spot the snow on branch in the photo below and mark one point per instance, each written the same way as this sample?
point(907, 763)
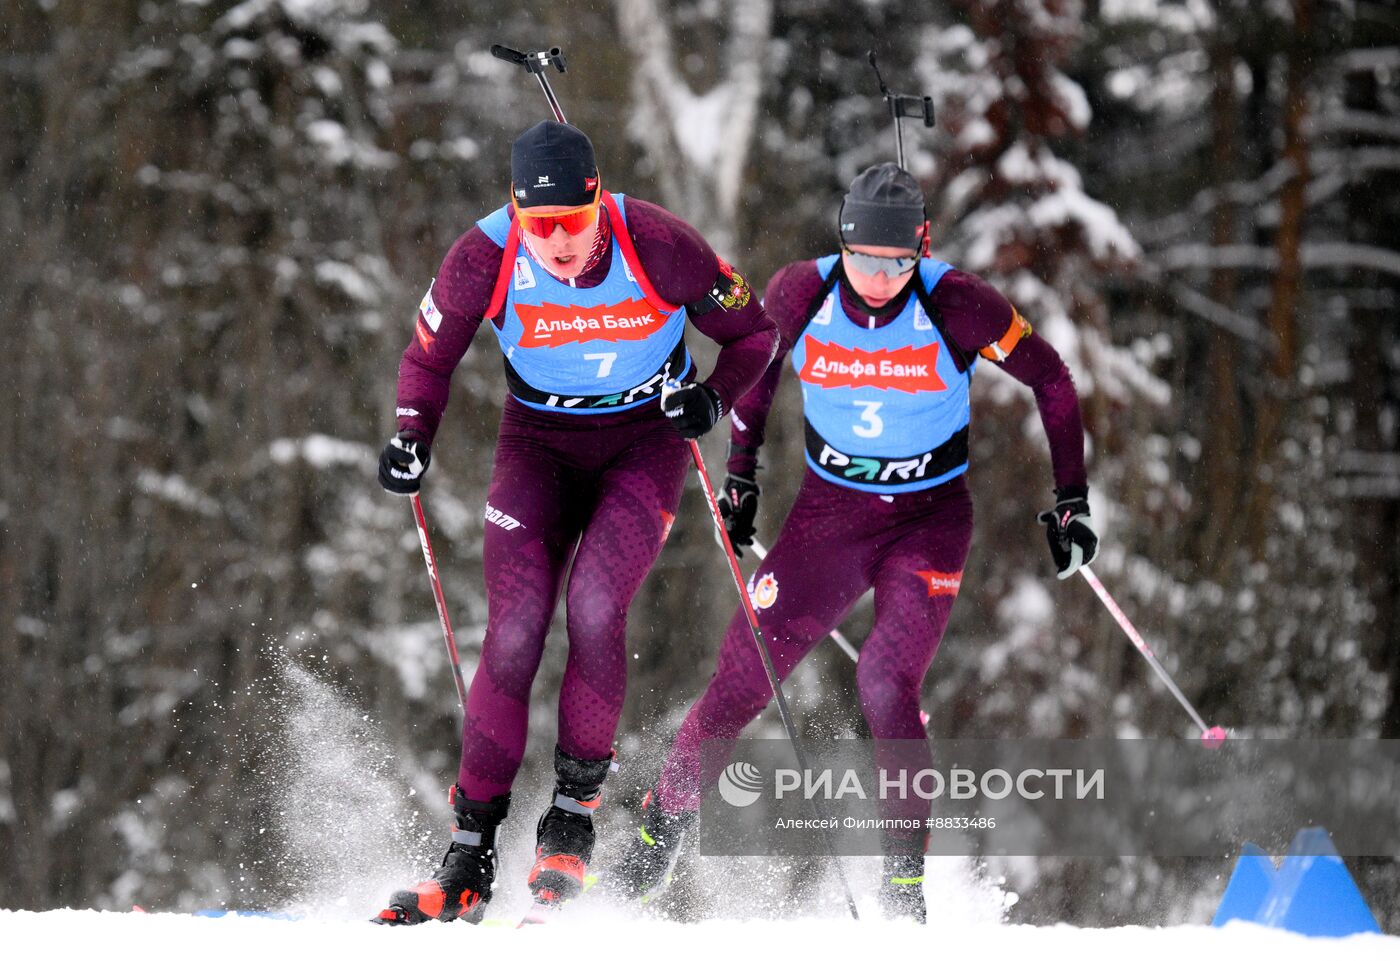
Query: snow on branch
point(1049, 198)
point(1369, 461)
point(1383, 487)
point(320, 451)
point(1246, 328)
point(174, 489)
point(1369, 58)
point(1316, 256)
point(337, 19)
point(1359, 160)
point(1332, 169)
point(1351, 256)
point(1357, 122)
point(1243, 193)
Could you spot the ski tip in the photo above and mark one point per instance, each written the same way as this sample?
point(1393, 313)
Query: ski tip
point(545, 909)
point(539, 914)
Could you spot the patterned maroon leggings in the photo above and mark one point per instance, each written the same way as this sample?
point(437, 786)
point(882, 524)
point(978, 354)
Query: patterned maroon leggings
point(604, 498)
point(836, 544)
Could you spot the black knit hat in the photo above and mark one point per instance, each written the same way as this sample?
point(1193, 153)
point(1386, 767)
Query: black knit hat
point(553, 163)
point(884, 208)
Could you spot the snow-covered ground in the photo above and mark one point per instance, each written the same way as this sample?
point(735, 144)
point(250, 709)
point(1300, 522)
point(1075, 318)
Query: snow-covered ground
point(349, 831)
point(143, 937)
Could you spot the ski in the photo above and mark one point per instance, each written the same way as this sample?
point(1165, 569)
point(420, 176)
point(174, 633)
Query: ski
point(548, 907)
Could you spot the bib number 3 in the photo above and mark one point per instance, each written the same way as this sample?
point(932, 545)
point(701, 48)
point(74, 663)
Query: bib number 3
point(871, 425)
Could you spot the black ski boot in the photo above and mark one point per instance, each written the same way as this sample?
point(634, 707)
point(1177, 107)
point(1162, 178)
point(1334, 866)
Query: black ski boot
point(651, 854)
point(564, 838)
point(902, 888)
point(461, 886)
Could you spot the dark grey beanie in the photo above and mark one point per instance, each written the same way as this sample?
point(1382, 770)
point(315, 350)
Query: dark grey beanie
point(884, 208)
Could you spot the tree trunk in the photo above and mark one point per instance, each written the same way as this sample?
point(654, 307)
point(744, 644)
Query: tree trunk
point(698, 144)
point(1223, 453)
point(1282, 319)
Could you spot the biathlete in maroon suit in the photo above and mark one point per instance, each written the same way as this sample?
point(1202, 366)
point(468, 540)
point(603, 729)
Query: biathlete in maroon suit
point(884, 342)
point(588, 294)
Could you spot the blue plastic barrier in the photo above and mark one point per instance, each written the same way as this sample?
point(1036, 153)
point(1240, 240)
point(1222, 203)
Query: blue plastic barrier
point(1311, 892)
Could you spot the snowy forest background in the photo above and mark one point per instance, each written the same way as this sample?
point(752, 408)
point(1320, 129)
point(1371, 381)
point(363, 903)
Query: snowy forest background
point(217, 221)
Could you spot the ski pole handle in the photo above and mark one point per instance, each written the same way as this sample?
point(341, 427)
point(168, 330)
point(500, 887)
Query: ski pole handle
point(901, 106)
point(536, 64)
point(448, 637)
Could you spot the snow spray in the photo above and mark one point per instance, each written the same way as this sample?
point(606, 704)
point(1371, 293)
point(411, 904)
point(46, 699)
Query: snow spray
point(338, 822)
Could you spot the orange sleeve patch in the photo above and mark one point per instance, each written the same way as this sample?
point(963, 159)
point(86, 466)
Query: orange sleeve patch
point(1019, 330)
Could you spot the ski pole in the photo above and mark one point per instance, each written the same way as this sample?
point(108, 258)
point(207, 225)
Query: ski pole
point(902, 105)
point(536, 63)
point(835, 634)
point(1211, 735)
point(763, 652)
point(448, 637)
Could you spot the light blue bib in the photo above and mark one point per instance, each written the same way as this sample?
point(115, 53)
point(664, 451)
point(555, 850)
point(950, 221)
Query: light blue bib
point(583, 350)
point(887, 408)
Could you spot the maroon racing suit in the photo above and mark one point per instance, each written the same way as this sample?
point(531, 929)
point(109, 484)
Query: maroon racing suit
point(600, 489)
point(838, 541)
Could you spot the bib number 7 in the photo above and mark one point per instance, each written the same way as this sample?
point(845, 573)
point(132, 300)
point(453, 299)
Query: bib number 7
point(605, 364)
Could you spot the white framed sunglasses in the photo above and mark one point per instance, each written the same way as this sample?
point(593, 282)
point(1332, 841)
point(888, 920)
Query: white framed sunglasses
point(871, 264)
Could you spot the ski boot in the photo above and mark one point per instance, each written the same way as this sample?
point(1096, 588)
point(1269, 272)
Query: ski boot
point(902, 888)
point(461, 886)
point(564, 837)
point(651, 855)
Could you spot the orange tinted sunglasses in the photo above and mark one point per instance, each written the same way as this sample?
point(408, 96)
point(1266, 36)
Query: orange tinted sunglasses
point(574, 220)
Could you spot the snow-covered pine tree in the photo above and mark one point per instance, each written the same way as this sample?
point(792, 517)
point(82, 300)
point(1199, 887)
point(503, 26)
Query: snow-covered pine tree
point(1008, 206)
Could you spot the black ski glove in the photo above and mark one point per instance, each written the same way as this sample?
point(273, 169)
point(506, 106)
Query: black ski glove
point(692, 409)
point(738, 505)
point(1073, 542)
point(402, 464)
